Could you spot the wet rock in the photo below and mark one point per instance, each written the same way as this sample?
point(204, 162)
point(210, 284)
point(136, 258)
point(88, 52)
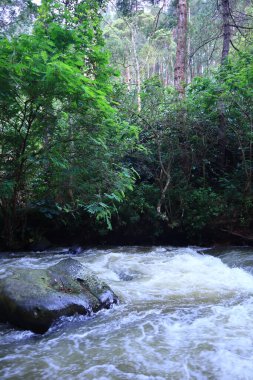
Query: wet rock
point(75, 250)
point(41, 245)
point(125, 276)
point(34, 298)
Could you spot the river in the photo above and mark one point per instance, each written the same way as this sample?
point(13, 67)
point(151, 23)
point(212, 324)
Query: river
point(184, 313)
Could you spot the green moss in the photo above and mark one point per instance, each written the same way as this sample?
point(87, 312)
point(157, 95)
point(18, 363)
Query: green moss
point(34, 298)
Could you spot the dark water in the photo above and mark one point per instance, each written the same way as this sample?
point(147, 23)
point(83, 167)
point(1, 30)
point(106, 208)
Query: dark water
point(184, 314)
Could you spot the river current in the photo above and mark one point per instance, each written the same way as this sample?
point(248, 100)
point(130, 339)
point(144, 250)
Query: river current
point(184, 313)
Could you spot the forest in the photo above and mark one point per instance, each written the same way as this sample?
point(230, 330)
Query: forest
point(126, 122)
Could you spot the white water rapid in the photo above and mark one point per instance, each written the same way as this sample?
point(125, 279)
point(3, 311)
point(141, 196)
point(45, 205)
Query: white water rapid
point(183, 314)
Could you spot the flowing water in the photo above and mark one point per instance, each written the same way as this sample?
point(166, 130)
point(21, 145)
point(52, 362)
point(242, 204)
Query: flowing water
point(183, 314)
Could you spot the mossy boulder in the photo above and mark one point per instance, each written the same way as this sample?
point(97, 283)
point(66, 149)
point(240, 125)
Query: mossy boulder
point(34, 298)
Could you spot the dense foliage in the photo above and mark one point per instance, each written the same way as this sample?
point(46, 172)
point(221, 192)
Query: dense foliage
point(61, 141)
point(190, 181)
point(91, 155)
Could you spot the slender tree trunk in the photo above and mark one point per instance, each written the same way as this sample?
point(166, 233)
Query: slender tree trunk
point(157, 68)
point(188, 42)
point(191, 69)
point(137, 68)
point(128, 78)
point(225, 10)
point(226, 28)
point(180, 66)
point(166, 74)
point(153, 69)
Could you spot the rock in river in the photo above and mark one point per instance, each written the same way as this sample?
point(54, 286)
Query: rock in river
point(34, 298)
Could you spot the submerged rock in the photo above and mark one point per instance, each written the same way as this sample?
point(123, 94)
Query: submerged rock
point(75, 250)
point(126, 275)
point(123, 276)
point(34, 298)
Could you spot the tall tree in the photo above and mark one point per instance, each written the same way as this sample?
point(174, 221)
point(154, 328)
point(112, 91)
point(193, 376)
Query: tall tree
point(180, 65)
point(226, 31)
point(226, 14)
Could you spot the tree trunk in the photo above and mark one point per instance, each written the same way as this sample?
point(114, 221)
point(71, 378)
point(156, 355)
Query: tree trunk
point(226, 28)
point(225, 9)
point(180, 67)
point(128, 78)
point(166, 80)
point(137, 67)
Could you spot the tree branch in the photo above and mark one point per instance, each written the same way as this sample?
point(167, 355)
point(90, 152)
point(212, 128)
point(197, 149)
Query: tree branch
point(203, 44)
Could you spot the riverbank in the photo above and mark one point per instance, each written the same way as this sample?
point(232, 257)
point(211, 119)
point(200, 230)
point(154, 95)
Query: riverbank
point(54, 238)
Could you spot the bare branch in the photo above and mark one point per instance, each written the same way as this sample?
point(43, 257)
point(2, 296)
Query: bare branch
point(234, 46)
point(241, 26)
point(205, 43)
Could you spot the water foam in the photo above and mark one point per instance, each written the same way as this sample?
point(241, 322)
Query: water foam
point(163, 274)
point(184, 316)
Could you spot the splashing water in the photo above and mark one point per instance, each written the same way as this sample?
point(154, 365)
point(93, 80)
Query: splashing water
point(183, 315)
